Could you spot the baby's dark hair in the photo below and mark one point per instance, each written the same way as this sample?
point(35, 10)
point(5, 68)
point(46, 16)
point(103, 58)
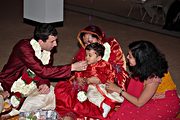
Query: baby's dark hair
point(98, 48)
point(43, 30)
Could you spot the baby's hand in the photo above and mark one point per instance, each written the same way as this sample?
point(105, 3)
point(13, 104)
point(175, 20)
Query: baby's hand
point(109, 91)
point(93, 80)
point(81, 81)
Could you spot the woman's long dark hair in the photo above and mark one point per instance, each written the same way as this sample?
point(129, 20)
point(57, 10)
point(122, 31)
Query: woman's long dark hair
point(150, 62)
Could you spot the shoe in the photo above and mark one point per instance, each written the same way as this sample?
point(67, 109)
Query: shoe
point(106, 109)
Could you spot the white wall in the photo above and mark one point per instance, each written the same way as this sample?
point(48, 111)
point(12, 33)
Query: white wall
point(44, 11)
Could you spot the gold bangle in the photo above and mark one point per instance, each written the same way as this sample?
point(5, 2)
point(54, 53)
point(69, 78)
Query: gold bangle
point(121, 92)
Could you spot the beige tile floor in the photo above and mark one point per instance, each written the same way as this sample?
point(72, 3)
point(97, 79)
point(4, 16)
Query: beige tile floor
point(13, 29)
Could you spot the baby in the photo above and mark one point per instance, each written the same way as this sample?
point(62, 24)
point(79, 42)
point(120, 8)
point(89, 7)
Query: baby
point(94, 78)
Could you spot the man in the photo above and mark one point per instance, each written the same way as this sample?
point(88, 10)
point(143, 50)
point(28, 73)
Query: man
point(36, 55)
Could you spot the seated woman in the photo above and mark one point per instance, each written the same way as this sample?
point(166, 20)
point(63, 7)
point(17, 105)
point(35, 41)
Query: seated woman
point(66, 95)
point(148, 97)
point(113, 51)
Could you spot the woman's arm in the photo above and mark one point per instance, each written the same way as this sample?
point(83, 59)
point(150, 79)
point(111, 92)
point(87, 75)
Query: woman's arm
point(146, 95)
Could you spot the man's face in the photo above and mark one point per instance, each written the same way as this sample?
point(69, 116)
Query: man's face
point(50, 43)
point(91, 57)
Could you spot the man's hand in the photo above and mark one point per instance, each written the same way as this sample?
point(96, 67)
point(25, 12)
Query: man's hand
point(44, 89)
point(79, 66)
point(5, 94)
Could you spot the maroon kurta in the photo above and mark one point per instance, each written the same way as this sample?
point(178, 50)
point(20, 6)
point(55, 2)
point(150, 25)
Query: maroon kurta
point(23, 58)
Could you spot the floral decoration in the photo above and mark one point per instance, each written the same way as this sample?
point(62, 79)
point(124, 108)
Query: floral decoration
point(23, 87)
point(42, 55)
point(107, 51)
point(81, 96)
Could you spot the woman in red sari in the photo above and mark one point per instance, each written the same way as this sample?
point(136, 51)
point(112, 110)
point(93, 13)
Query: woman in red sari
point(113, 52)
point(148, 97)
point(66, 100)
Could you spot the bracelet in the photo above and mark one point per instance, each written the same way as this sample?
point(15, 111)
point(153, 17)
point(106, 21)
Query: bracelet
point(121, 92)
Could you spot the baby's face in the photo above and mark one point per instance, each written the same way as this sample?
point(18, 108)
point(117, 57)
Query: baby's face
point(91, 57)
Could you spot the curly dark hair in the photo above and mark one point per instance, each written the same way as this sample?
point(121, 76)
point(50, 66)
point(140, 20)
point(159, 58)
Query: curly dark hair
point(150, 62)
point(43, 30)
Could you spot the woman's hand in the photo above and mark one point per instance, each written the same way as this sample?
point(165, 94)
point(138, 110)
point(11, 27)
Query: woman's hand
point(112, 87)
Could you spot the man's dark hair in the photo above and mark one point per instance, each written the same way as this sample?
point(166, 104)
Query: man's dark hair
point(98, 48)
point(43, 30)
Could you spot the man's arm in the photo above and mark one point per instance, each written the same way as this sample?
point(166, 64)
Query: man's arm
point(27, 56)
